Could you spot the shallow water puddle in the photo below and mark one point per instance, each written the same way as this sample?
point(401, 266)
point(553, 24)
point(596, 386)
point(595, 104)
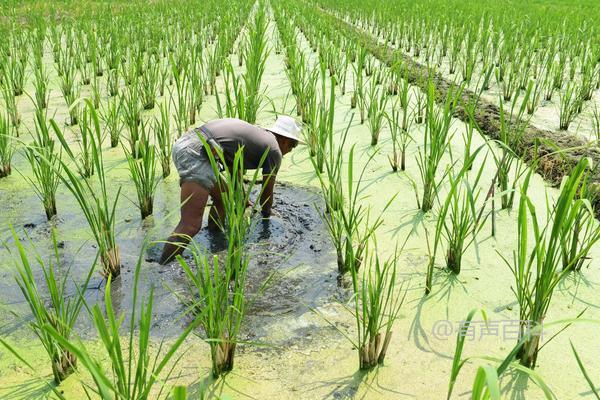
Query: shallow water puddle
point(291, 269)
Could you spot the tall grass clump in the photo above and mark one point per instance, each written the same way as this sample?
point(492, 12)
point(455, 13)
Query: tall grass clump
point(459, 220)
point(347, 219)
point(111, 116)
point(94, 200)
point(143, 171)
point(510, 167)
point(85, 142)
point(135, 372)
point(581, 232)
point(376, 307)
point(45, 162)
point(164, 139)
point(131, 113)
point(50, 305)
point(377, 101)
point(400, 122)
point(436, 141)
point(320, 122)
point(376, 302)
point(535, 266)
point(7, 145)
point(220, 304)
point(10, 102)
point(255, 59)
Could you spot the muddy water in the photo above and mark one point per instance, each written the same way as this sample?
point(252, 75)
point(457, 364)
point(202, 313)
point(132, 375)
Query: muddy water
point(291, 251)
point(289, 267)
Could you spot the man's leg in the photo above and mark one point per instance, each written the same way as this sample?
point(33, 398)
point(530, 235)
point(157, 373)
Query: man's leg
point(193, 200)
point(216, 217)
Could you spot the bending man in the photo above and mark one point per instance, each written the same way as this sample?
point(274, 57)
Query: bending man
point(198, 181)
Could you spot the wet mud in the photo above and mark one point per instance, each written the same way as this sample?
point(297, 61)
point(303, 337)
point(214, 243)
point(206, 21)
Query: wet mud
point(289, 271)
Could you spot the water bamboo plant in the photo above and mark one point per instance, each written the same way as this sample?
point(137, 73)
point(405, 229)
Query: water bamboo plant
point(45, 162)
point(219, 309)
point(400, 121)
point(131, 113)
point(68, 86)
point(377, 304)
point(568, 105)
point(93, 198)
point(486, 384)
point(135, 372)
point(143, 171)
point(148, 82)
point(15, 68)
point(347, 219)
point(10, 102)
point(255, 59)
point(41, 82)
point(581, 233)
point(221, 300)
point(111, 116)
point(436, 139)
point(459, 221)
point(7, 145)
point(164, 139)
point(180, 95)
point(512, 129)
point(56, 308)
point(320, 121)
point(376, 104)
point(85, 143)
point(536, 270)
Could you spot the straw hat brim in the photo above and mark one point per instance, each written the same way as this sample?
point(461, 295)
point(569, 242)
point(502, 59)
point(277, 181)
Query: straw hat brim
point(285, 134)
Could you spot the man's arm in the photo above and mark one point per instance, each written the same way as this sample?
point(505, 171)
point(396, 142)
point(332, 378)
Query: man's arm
point(266, 198)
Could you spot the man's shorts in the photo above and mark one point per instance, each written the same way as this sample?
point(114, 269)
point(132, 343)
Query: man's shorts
point(191, 161)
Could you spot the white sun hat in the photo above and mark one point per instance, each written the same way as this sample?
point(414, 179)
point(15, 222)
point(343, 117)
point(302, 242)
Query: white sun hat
point(286, 126)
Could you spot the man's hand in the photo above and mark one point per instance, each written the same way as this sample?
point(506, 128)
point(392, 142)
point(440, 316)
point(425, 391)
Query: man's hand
point(266, 199)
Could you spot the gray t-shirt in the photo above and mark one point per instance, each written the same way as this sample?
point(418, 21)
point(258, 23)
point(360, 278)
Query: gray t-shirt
point(232, 133)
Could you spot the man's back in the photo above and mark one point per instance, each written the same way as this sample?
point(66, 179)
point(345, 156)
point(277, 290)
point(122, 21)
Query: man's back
point(233, 133)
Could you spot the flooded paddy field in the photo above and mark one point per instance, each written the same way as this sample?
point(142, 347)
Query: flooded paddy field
point(314, 294)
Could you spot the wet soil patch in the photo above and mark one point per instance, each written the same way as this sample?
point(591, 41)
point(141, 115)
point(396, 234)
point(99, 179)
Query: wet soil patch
point(291, 252)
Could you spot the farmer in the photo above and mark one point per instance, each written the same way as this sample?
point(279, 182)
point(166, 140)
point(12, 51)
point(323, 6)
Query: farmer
point(198, 181)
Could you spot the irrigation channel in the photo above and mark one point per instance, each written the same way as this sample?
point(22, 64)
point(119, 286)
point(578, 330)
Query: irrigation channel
point(295, 339)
